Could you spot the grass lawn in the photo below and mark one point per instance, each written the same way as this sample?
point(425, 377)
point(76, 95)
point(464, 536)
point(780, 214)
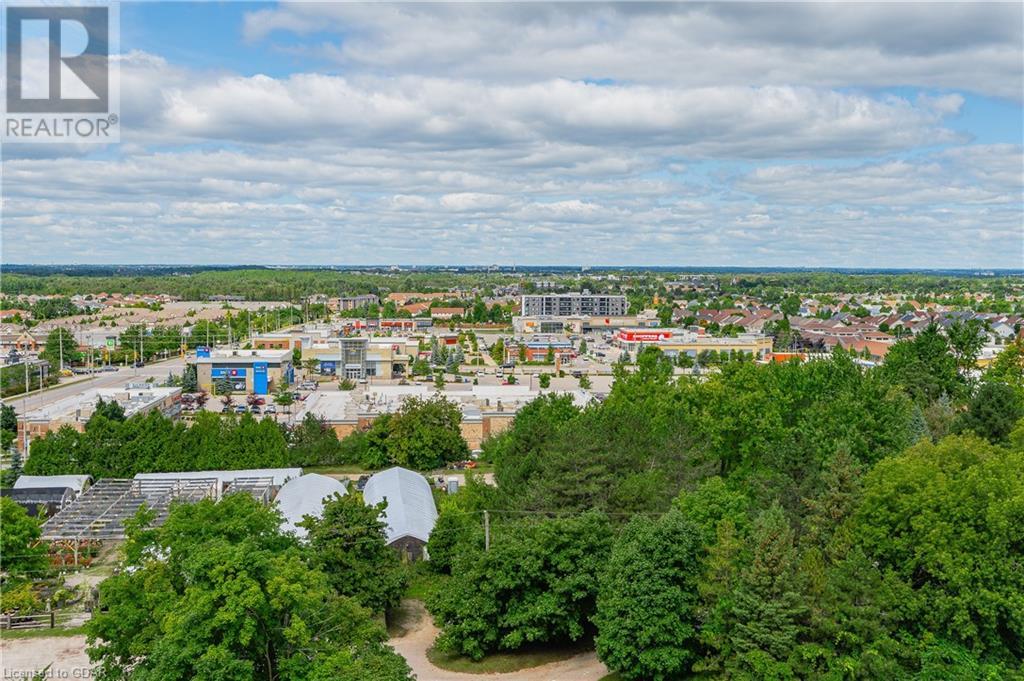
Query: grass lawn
point(502, 663)
point(614, 676)
point(344, 469)
point(42, 633)
point(423, 582)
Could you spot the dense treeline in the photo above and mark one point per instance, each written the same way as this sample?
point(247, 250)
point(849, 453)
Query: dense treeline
point(253, 284)
point(768, 522)
point(293, 284)
point(423, 434)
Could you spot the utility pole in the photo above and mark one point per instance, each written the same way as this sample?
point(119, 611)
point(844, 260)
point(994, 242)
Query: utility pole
point(487, 531)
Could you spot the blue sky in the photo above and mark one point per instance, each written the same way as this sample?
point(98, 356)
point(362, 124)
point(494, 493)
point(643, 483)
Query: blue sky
point(747, 135)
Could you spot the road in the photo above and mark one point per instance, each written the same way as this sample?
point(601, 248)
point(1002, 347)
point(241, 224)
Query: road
point(79, 384)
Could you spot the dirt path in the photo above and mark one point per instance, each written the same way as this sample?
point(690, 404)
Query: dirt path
point(19, 657)
point(422, 632)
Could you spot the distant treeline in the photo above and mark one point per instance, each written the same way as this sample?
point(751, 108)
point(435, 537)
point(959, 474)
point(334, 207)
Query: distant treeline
point(255, 283)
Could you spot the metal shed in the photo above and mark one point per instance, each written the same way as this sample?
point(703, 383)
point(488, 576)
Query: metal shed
point(40, 502)
point(304, 496)
point(77, 483)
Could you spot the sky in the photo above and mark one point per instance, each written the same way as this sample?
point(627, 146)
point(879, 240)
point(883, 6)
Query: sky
point(729, 134)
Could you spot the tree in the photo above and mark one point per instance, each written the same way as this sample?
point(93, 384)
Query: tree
point(420, 367)
point(8, 418)
point(790, 306)
point(965, 342)
point(585, 383)
point(189, 379)
point(223, 387)
point(545, 381)
point(498, 351)
point(459, 525)
point(992, 412)
point(22, 556)
point(283, 397)
point(1008, 366)
point(313, 443)
point(219, 592)
point(924, 366)
point(939, 523)
point(350, 543)
point(583, 346)
point(647, 605)
point(517, 452)
point(61, 348)
point(768, 603)
point(543, 586)
point(425, 434)
point(110, 410)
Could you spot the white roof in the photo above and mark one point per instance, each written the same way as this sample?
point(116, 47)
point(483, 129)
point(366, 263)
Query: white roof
point(411, 511)
point(75, 482)
point(304, 496)
point(280, 475)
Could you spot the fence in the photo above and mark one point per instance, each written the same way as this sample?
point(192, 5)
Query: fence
point(45, 620)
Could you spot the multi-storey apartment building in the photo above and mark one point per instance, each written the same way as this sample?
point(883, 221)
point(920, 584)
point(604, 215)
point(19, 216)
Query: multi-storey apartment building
point(574, 304)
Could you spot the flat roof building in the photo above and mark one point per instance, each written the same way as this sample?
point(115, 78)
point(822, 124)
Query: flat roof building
point(358, 357)
point(674, 342)
point(250, 371)
point(75, 411)
point(574, 304)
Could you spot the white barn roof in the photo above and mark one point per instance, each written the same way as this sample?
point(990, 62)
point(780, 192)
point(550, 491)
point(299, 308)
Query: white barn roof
point(304, 496)
point(411, 511)
point(75, 482)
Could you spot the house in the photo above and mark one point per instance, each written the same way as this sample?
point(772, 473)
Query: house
point(410, 511)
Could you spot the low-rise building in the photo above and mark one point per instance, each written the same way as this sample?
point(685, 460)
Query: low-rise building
point(359, 357)
point(675, 342)
point(75, 411)
point(251, 371)
point(486, 409)
point(526, 325)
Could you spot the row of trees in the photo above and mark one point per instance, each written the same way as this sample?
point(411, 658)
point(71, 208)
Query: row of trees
point(423, 434)
point(783, 521)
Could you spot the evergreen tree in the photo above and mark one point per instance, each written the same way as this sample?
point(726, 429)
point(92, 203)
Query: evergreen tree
point(769, 605)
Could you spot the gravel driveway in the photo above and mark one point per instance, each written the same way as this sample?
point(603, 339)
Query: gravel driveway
point(420, 636)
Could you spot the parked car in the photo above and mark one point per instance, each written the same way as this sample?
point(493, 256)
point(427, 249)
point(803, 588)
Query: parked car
point(110, 367)
point(361, 482)
point(241, 409)
point(255, 409)
point(271, 409)
point(139, 364)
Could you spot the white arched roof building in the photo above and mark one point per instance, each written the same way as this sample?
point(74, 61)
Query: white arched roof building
point(305, 495)
point(411, 512)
